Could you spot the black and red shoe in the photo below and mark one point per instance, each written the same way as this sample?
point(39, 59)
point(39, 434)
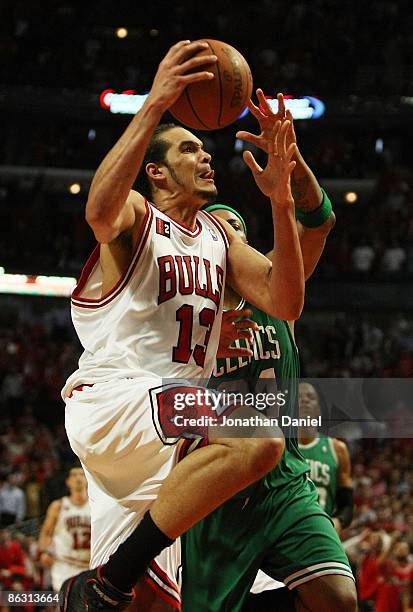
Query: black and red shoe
point(90, 592)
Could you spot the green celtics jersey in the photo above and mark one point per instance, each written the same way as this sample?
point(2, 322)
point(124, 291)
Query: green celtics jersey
point(322, 459)
point(273, 368)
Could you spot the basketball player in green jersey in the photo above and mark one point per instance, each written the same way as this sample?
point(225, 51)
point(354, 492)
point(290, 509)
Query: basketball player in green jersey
point(329, 462)
point(330, 471)
point(276, 525)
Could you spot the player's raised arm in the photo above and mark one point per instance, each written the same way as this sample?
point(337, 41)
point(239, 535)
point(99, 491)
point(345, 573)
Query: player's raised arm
point(112, 207)
point(315, 218)
point(277, 287)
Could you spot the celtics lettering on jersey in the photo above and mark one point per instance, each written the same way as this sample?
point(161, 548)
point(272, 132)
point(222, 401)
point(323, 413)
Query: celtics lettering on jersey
point(265, 347)
point(322, 460)
point(274, 366)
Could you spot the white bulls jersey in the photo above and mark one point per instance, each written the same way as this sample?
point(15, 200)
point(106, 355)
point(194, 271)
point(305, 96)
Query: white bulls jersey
point(71, 537)
point(163, 317)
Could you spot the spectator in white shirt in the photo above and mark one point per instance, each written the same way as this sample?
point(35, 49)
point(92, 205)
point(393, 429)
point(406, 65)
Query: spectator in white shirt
point(12, 502)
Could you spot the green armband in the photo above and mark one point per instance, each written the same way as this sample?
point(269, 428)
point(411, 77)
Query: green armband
point(316, 217)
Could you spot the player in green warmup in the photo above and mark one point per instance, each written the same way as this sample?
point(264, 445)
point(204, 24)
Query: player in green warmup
point(276, 525)
point(329, 462)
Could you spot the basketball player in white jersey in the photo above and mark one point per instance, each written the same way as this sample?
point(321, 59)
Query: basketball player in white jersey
point(147, 308)
point(64, 540)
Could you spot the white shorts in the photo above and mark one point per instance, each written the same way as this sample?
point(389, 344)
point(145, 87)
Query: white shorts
point(61, 571)
point(113, 427)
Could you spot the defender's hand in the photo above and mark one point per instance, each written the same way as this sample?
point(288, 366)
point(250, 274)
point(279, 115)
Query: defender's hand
point(232, 330)
point(267, 119)
point(172, 76)
point(274, 180)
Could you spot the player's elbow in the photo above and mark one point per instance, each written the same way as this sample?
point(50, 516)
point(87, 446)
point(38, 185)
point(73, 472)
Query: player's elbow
point(104, 232)
point(290, 311)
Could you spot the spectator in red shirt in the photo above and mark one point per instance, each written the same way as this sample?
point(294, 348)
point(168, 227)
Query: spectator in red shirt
point(395, 581)
point(368, 575)
point(12, 564)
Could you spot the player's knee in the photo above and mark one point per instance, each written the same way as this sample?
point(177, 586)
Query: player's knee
point(263, 455)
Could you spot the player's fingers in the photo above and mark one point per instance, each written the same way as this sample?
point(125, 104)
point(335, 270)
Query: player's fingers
point(291, 166)
point(194, 62)
point(291, 151)
point(281, 105)
point(274, 143)
point(292, 130)
point(254, 110)
point(235, 314)
point(182, 52)
point(246, 324)
point(265, 105)
point(248, 137)
point(249, 159)
point(282, 139)
point(245, 335)
point(179, 45)
point(186, 79)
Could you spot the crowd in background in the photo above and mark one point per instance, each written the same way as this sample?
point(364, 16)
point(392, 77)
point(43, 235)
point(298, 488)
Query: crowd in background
point(310, 46)
point(373, 237)
point(299, 48)
point(38, 350)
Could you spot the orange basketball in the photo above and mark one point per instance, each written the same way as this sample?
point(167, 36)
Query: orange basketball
point(213, 104)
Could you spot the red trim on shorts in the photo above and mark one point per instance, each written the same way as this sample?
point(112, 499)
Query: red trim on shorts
point(79, 388)
point(83, 302)
point(218, 225)
point(174, 601)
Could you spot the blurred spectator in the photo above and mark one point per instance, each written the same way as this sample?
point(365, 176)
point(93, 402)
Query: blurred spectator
point(12, 563)
point(12, 502)
point(393, 259)
point(363, 256)
point(395, 579)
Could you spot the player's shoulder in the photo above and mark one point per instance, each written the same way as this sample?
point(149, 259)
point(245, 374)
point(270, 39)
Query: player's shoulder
point(56, 506)
point(340, 448)
point(231, 234)
point(138, 201)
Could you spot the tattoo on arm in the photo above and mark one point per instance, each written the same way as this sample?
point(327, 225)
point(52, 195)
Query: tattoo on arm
point(299, 189)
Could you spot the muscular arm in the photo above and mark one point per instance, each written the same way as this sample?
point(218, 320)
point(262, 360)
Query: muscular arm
point(305, 189)
point(112, 208)
point(49, 525)
point(312, 243)
point(275, 287)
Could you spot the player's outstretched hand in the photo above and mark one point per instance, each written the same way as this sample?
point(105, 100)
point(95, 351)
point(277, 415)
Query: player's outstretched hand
point(232, 330)
point(274, 180)
point(172, 76)
point(267, 119)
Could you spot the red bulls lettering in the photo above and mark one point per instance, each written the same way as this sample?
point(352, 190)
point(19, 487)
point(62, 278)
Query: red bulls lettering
point(183, 274)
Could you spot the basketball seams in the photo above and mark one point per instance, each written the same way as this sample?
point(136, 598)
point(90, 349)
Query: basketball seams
point(248, 79)
point(214, 105)
point(221, 93)
point(194, 111)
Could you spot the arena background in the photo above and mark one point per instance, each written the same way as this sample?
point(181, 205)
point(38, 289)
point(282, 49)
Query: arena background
point(57, 60)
